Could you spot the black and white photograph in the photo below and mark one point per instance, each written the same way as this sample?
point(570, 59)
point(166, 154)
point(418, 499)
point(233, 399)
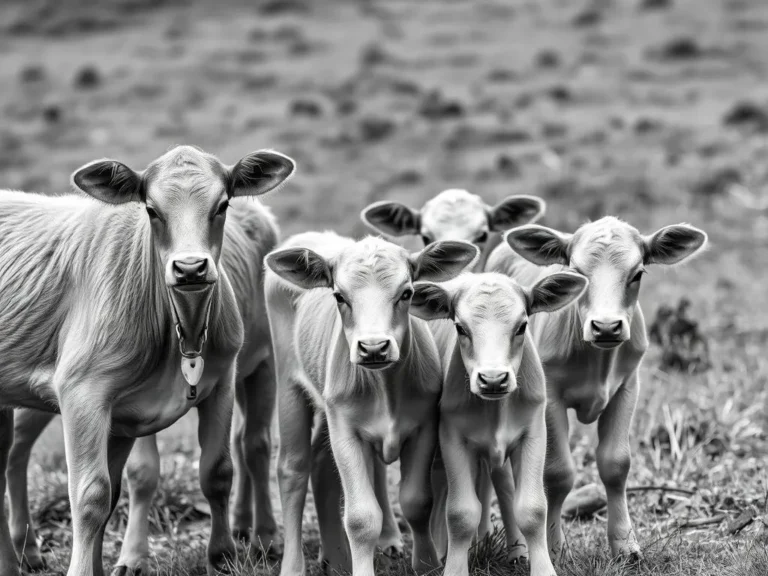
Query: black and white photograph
point(384, 287)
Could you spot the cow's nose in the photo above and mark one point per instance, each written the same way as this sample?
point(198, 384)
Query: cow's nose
point(606, 330)
point(190, 270)
point(371, 350)
point(493, 381)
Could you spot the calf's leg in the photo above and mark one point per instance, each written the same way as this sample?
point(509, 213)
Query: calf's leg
point(28, 425)
point(559, 474)
point(143, 472)
point(391, 539)
point(504, 484)
point(613, 463)
point(242, 500)
point(9, 564)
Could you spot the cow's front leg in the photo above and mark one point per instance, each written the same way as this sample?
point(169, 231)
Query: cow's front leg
point(530, 505)
point(613, 462)
point(86, 421)
point(27, 425)
point(215, 414)
point(504, 484)
point(118, 450)
point(559, 474)
point(416, 457)
point(143, 472)
point(463, 507)
point(391, 539)
point(9, 564)
point(362, 514)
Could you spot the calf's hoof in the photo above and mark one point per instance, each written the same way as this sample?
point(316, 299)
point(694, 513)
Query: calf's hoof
point(268, 545)
point(141, 569)
point(517, 555)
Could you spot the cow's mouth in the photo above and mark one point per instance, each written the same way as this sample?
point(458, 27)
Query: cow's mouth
point(377, 365)
point(607, 344)
point(192, 286)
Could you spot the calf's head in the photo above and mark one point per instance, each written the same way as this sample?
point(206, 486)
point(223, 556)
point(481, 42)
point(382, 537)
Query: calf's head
point(453, 215)
point(490, 312)
point(185, 193)
point(372, 282)
point(613, 256)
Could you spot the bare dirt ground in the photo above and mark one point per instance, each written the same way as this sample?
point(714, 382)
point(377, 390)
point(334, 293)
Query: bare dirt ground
point(655, 111)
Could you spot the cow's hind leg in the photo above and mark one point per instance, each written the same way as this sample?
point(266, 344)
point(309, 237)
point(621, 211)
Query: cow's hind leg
point(9, 564)
point(143, 472)
point(259, 395)
point(28, 425)
point(613, 462)
point(559, 475)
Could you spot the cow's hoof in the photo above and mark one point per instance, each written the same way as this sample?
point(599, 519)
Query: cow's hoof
point(268, 546)
point(241, 536)
point(140, 570)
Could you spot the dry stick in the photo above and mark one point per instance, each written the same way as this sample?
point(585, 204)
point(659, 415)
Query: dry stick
point(698, 522)
point(662, 488)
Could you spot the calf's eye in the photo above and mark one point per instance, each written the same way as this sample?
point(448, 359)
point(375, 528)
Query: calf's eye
point(339, 298)
point(521, 330)
point(223, 208)
point(407, 294)
point(425, 239)
point(153, 215)
point(482, 238)
point(460, 330)
point(637, 277)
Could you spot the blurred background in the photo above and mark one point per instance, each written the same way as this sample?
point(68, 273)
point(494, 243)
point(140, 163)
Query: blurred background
point(655, 111)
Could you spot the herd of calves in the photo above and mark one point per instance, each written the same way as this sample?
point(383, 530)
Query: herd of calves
point(130, 301)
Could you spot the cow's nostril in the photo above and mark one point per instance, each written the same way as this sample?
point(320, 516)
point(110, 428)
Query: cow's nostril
point(190, 269)
point(384, 346)
point(596, 328)
point(616, 327)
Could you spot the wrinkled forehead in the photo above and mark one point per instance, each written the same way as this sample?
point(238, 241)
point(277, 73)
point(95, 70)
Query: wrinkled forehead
point(454, 209)
point(494, 300)
point(183, 172)
point(607, 241)
point(372, 263)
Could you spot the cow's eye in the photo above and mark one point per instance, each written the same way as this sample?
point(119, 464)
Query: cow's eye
point(222, 208)
point(521, 330)
point(339, 298)
point(461, 331)
point(153, 215)
point(425, 239)
point(638, 276)
point(407, 294)
point(482, 238)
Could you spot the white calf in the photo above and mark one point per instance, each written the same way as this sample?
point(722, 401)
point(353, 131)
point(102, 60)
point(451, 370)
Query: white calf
point(250, 232)
point(591, 352)
point(455, 215)
point(493, 401)
point(351, 349)
point(116, 313)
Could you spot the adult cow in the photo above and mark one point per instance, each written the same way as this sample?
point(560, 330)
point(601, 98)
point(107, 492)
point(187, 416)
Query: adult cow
point(119, 317)
point(250, 233)
point(592, 351)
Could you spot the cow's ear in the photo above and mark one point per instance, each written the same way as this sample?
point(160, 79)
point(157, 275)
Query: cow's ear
point(259, 172)
point(540, 245)
point(673, 244)
point(392, 219)
point(109, 181)
point(515, 211)
point(430, 301)
point(301, 267)
point(441, 261)
point(555, 291)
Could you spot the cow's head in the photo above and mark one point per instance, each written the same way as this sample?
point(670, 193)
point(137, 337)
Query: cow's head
point(453, 215)
point(372, 283)
point(613, 256)
point(491, 313)
point(185, 194)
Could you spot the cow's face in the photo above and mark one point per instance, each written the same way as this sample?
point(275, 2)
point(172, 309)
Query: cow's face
point(613, 256)
point(185, 193)
point(490, 312)
point(372, 283)
point(453, 215)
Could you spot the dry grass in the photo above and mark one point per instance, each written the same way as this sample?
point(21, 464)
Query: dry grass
point(649, 114)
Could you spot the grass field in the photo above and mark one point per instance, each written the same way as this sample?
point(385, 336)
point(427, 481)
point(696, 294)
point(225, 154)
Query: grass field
point(654, 111)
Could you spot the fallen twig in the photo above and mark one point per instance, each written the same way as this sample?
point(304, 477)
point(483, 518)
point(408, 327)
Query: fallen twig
point(699, 522)
point(662, 488)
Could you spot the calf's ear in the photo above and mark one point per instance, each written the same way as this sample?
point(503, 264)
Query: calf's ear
point(515, 211)
point(259, 172)
point(301, 267)
point(441, 261)
point(673, 244)
point(109, 181)
point(430, 301)
point(540, 245)
point(555, 292)
point(392, 218)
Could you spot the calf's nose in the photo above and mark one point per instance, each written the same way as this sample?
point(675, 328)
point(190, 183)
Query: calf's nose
point(493, 381)
point(606, 330)
point(372, 350)
point(190, 270)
